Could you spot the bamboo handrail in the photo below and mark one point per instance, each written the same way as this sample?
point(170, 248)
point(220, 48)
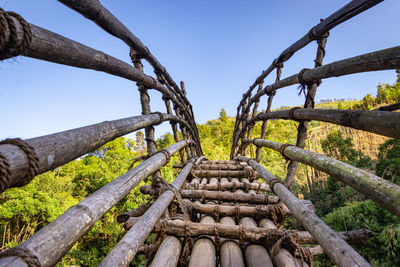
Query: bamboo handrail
point(57, 149)
point(124, 252)
point(53, 241)
point(383, 192)
point(336, 248)
point(380, 122)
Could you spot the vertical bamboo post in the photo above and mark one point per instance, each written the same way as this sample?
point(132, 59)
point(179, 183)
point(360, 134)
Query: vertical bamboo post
point(230, 254)
point(203, 252)
point(269, 106)
point(309, 103)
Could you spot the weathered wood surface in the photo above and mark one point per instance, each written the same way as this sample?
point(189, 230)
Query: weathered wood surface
point(380, 122)
point(230, 185)
point(203, 251)
point(281, 257)
point(57, 149)
point(256, 255)
point(67, 229)
point(95, 11)
point(379, 60)
point(382, 191)
point(49, 46)
point(257, 235)
point(230, 252)
point(391, 107)
point(223, 173)
point(139, 211)
point(336, 248)
point(348, 11)
point(124, 252)
point(230, 196)
point(216, 167)
point(168, 253)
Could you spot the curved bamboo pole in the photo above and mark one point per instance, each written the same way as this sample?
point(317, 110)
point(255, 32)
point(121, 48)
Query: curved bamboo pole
point(124, 252)
point(57, 149)
point(53, 241)
point(336, 248)
point(380, 122)
point(383, 192)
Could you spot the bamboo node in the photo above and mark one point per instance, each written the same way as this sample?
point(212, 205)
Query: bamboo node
point(26, 255)
point(291, 113)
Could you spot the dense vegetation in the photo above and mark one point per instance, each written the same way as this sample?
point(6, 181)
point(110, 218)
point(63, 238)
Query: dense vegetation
point(23, 211)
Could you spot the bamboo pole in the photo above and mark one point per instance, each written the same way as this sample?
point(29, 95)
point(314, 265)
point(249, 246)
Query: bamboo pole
point(230, 196)
point(168, 253)
point(257, 235)
point(308, 103)
point(230, 185)
point(57, 149)
point(230, 253)
point(203, 251)
point(380, 122)
point(95, 11)
point(49, 46)
point(216, 167)
point(67, 229)
point(126, 249)
point(336, 248)
point(384, 192)
point(222, 173)
point(281, 257)
point(256, 255)
point(379, 60)
point(346, 12)
point(139, 211)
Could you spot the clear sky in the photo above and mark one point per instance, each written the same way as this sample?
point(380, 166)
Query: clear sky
point(217, 47)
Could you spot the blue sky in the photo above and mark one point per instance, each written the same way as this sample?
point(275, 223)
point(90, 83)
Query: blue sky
point(217, 47)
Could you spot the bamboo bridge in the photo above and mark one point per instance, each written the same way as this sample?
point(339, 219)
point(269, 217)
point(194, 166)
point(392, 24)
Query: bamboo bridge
point(215, 213)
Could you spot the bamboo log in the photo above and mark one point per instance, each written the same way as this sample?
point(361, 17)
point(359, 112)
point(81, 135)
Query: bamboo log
point(224, 162)
point(222, 173)
point(384, 192)
point(126, 249)
point(230, 253)
point(203, 252)
point(229, 185)
point(256, 255)
point(255, 235)
point(67, 229)
point(336, 248)
point(391, 107)
point(216, 167)
point(168, 253)
point(139, 211)
point(230, 197)
point(380, 122)
point(57, 149)
point(281, 257)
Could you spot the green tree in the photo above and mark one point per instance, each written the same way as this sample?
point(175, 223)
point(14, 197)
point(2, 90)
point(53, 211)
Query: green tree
point(222, 115)
point(388, 165)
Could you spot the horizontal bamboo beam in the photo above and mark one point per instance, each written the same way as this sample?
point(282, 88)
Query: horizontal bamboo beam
point(336, 248)
point(226, 196)
point(382, 191)
point(57, 149)
point(124, 252)
point(264, 236)
point(53, 241)
point(391, 107)
point(222, 173)
point(223, 162)
point(96, 12)
point(216, 167)
point(380, 122)
point(229, 185)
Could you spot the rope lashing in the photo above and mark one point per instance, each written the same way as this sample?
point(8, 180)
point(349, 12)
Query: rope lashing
point(26, 255)
point(160, 115)
point(33, 163)
point(13, 48)
point(282, 151)
point(273, 182)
